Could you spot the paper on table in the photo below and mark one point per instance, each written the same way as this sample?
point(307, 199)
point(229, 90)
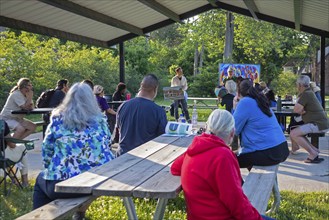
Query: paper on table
point(178, 129)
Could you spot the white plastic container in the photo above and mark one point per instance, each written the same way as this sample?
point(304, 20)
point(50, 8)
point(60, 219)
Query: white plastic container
point(178, 128)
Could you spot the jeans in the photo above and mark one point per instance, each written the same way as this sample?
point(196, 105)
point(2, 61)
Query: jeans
point(267, 218)
point(44, 192)
point(184, 109)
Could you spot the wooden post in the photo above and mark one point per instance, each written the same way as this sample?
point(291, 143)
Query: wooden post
point(122, 62)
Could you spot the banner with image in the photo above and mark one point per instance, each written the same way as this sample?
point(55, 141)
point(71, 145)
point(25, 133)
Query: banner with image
point(251, 71)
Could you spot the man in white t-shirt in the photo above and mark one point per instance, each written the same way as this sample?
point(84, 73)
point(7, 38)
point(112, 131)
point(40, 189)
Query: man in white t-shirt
point(180, 80)
point(20, 97)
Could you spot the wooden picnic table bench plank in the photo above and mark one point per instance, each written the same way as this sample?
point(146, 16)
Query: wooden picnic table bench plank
point(259, 184)
point(88, 180)
point(125, 182)
point(58, 209)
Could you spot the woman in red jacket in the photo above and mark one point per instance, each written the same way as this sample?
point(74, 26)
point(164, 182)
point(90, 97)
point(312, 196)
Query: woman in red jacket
point(210, 174)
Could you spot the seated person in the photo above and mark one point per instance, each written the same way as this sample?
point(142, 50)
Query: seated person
point(262, 140)
point(119, 95)
point(58, 96)
point(77, 140)
point(210, 174)
point(14, 153)
point(226, 94)
point(140, 120)
point(316, 89)
point(271, 98)
point(314, 117)
point(99, 93)
point(20, 98)
point(102, 103)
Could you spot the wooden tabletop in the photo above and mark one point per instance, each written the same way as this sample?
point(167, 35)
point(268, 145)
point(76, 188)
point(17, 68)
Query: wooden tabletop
point(285, 112)
point(115, 102)
point(201, 98)
point(142, 172)
point(33, 111)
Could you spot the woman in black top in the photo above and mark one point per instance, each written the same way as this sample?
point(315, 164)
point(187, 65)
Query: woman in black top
point(118, 95)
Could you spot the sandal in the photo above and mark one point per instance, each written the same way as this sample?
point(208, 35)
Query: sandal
point(318, 158)
point(294, 152)
point(315, 160)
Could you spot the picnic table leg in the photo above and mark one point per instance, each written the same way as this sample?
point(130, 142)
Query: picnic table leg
point(130, 208)
point(277, 197)
point(160, 209)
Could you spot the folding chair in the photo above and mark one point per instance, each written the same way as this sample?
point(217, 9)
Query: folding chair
point(8, 166)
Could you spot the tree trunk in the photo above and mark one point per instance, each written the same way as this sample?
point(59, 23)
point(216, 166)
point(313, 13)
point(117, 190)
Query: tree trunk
point(229, 37)
point(196, 57)
point(201, 58)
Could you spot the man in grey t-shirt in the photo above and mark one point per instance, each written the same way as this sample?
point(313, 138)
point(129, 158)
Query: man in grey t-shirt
point(314, 117)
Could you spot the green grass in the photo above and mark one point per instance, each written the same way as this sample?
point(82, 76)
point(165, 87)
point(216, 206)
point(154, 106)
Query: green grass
point(203, 114)
point(294, 206)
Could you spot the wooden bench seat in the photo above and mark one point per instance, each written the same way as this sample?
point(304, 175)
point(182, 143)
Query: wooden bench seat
point(59, 209)
point(40, 123)
point(259, 184)
point(315, 138)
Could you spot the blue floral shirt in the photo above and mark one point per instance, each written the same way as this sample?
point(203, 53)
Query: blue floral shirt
point(67, 153)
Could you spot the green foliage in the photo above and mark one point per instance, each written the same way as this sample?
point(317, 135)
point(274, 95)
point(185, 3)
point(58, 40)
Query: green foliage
point(303, 206)
point(294, 206)
point(285, 84)
point(203, 85)
point(17, 203)
point(46, 60)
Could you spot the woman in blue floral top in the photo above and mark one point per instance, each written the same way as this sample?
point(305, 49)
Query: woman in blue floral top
point(77, 139)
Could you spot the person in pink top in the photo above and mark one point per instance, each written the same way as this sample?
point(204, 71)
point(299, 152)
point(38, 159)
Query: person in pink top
point(210, 174)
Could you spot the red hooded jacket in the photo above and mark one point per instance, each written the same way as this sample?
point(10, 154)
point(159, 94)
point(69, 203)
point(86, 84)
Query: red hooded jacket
point(211, 181)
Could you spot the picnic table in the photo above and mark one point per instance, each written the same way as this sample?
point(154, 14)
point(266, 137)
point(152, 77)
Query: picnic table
point(203, 102)
point(36, 111)
point(33, 111)
point(143, 172)
point(283, 114)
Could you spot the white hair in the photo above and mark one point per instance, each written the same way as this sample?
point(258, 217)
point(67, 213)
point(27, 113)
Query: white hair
point(220, 123)
point(79, 108)
point(230, 85)
point(304, 80)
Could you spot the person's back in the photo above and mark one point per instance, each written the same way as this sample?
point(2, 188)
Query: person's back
point(227, 100)
point(140, 120)
point(258, 131)
point(314, 112)
point(119, 94)
point(77, 140)
point(57, 98)
point(210, 174)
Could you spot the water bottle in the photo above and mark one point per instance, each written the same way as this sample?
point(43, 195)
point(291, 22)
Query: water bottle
point(294, 99)
point(279, 104)
point(181, 118)
point(194, 115)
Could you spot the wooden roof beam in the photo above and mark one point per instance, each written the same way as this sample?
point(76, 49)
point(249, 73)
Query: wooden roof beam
point(298, 13)
point(252, 8)
point(33, 28)
point(161, 9)
point(94, 15)
point(213, 3)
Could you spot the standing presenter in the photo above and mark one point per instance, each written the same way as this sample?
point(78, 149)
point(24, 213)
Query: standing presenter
point(180, 80)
